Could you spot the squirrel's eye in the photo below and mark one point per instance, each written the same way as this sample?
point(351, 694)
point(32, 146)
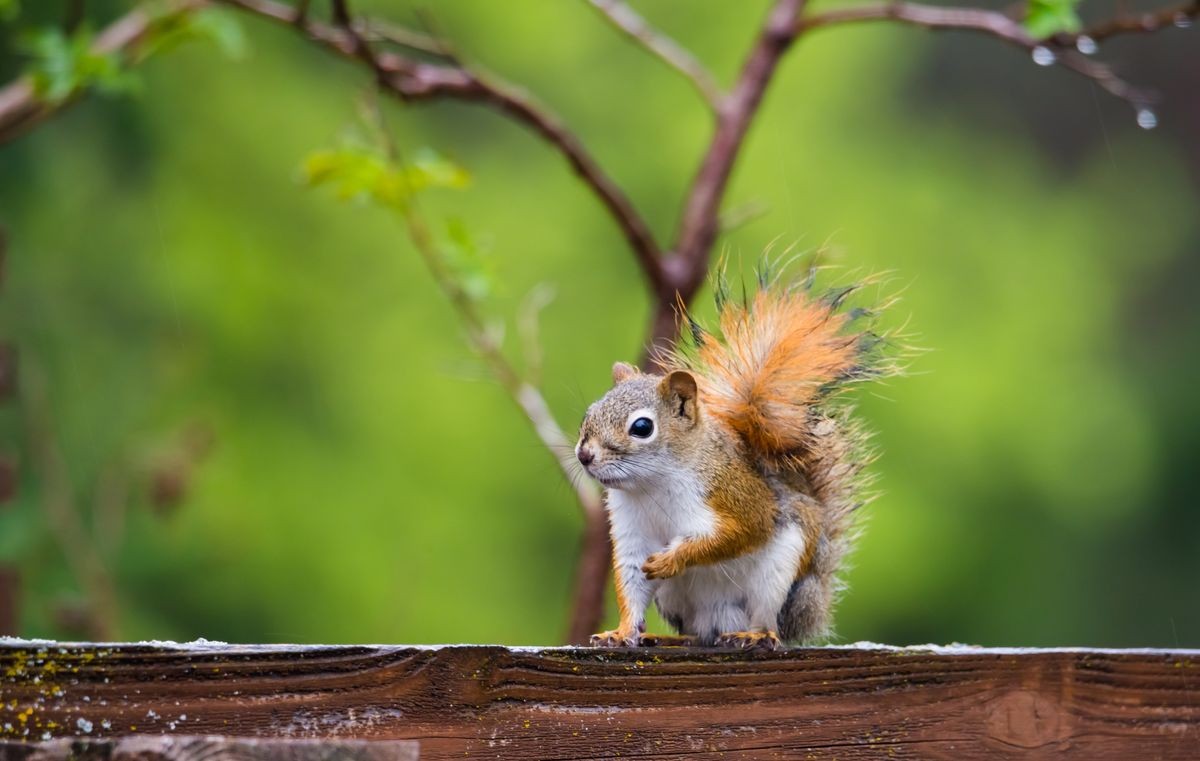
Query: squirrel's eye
point(641, 428)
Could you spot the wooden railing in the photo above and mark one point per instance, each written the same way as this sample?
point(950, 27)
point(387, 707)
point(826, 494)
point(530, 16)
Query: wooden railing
point(850, 702)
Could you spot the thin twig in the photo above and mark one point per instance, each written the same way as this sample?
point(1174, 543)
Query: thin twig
point(1151, 21)
point(628, 21)
point(526, 396)
point(592, 577)
point(992, 23)
point(413, 80)
point(378, 30)
point(527, 325)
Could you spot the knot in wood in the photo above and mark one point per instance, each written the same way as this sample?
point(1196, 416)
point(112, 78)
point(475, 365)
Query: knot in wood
point(1026, 719)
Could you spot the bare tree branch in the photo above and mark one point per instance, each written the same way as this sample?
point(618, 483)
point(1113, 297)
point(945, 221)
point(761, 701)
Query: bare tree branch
point(992, 23)
point(687, 267)
point(1144, 22)
point(414, 80)
point(627, 20)
point(20, 106)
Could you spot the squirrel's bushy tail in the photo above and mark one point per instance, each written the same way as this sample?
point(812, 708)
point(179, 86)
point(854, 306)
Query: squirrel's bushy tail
point(779, 354)
point(780, 357)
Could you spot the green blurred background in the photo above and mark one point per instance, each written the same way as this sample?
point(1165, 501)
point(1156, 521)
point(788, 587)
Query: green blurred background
point(170, 285)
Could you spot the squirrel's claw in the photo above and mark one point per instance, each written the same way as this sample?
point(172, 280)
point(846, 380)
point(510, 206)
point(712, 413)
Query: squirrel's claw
point(615, 638)
point(764, 640)
point(661, 565)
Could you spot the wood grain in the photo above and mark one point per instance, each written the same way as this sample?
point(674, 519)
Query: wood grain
point(493, 702)
point(188, 748)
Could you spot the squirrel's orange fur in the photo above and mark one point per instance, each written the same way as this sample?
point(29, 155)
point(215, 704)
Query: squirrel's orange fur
point(776, 357)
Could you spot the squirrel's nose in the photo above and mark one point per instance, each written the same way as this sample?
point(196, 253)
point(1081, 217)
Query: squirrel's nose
point(586, 455)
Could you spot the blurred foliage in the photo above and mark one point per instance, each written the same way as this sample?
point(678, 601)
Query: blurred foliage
point(367, 482)
point(359, 171)
point(64, 63)
point(1045, 18)
point(219, 26)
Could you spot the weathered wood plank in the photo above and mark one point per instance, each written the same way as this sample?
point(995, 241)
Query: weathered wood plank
point(493, 702)
point(188, 748)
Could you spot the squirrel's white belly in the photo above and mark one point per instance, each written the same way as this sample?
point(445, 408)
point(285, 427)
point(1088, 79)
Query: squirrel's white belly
point(740, 594)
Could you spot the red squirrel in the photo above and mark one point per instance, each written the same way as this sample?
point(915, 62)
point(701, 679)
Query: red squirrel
point(733, 478)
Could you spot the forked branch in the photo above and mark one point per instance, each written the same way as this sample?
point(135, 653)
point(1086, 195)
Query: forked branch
point(687, 267)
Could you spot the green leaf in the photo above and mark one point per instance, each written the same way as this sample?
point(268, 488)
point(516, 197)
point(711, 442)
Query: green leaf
point(359, 172)
point(1046, 18)
point(355, 172)
point(172, 28)
point(61, 66)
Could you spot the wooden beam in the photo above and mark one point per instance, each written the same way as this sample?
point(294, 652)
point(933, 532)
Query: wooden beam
point(488, 702)
point(146, 748)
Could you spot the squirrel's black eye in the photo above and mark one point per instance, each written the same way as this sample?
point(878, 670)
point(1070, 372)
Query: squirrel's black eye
point(641, 428)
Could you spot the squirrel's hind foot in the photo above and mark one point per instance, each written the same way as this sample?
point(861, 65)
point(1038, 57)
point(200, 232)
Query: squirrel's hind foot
point(615, 638)
point(758, 640)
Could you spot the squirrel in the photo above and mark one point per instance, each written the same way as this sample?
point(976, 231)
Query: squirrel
point(733, 477)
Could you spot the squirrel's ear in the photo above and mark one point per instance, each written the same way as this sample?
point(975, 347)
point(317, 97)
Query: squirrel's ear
point(623, 371)
point(679, 388)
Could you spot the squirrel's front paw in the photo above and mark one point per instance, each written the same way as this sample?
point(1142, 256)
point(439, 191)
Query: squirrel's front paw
point(662, 565)
point(615, 638)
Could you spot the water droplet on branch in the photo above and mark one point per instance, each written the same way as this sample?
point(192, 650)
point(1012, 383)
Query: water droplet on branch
point(1147, 119)
point(1043, 56)
point(1086, 45)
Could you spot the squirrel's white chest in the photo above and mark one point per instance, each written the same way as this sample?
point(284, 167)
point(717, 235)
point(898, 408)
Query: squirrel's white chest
point(646, 520)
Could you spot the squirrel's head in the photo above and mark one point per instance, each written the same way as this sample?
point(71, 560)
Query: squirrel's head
point(641, 429)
